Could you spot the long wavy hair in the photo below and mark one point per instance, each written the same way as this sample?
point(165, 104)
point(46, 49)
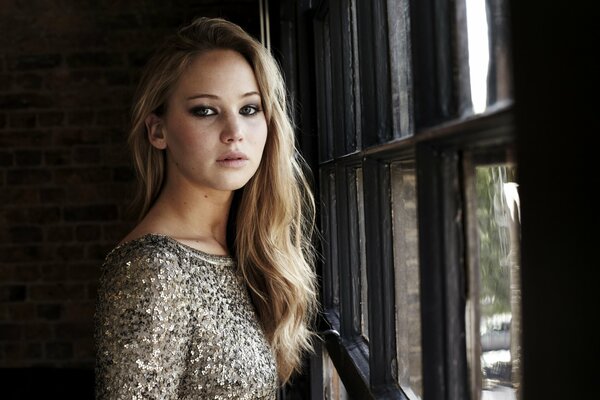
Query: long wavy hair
point(273, 215)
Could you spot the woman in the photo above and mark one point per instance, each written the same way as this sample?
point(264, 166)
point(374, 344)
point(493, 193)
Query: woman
point(211, 294)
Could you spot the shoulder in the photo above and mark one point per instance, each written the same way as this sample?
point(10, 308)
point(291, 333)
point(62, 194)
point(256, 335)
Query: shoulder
point(146, 256)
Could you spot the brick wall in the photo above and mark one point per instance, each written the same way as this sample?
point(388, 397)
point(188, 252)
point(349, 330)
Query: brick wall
point(67, 73)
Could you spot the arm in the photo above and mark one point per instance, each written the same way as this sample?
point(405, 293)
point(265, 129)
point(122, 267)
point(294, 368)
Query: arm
point(142, 328)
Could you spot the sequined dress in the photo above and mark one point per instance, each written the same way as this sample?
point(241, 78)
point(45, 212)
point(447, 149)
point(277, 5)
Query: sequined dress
point(173, 322)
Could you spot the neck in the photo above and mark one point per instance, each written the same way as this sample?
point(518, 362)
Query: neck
point(194, 214)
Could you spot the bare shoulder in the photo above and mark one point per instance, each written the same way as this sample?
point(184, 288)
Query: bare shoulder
point(146, 226)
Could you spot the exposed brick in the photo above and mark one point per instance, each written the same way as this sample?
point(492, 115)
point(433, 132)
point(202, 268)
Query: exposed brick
point(33, 138)
point(117, 78)
point(82, 175)
point(54, 272)
point(83, 272)
point(6, 82)
point(59, 233)
point(66, 95)
point(123, 174)
point(57, 292)
point(33, 350)
point(7, 272)
point(37, 61)
point(59, 350)
point(84, 348)
point(16, 351)
point(35, 331)
point(67, 137)
point(86, 155)
point(13, 293)
point(10, 332)
point(52, 195)
point(27, 273)
point(24, 100)
point(28, 177)
point(95, 59)
point(116, 155)
point(50, 311)
point(113, 233)
point(21, 253)
point(92, 290)
point(22, 311)
point(29, 81)
point(28, 158)
point(98, 251)
point(6, 159)
point(69, 252)
point(113, 117)
point(74, 330)
point(103, 212)
point(33, 215)
point(19, 195)
point(80, 118)
point(82, 311)
point(26, 234)
point(51, 118)
point(57, 157)
point(22, 120)
point(138, 58)
point(86, 233)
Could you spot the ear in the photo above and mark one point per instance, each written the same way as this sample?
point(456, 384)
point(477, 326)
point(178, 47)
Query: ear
point(155, 131)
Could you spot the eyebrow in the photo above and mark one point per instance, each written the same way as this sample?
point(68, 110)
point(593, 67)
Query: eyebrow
point(213, 96)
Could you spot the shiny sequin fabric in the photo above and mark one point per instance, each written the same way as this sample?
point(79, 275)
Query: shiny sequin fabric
point(173, 322)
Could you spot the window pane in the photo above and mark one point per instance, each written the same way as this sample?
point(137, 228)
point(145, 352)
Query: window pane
point(333, 388)
point(497, 295)
point(331, 294)
point(484, 54)
point(406, 266)
point(364, 306)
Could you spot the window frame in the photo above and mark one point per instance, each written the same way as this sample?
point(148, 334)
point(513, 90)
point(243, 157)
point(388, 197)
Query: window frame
point(424, 128)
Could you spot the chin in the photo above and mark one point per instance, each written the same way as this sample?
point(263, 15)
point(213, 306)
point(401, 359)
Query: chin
point(231, 185)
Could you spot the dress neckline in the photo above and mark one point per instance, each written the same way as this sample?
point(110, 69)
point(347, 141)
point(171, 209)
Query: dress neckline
point(218, 258)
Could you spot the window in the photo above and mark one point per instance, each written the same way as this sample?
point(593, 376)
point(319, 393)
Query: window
point(419, 201)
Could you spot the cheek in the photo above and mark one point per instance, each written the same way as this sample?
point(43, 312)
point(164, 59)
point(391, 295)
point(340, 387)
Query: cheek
point(185, 135)
point(260, 136)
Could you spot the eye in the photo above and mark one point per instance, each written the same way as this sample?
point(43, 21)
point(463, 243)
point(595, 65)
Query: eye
point(202, 111)
point(249, 110)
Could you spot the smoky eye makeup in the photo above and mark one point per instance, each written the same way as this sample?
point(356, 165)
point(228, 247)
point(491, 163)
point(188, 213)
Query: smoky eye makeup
point(202, 111)
point(250, 109)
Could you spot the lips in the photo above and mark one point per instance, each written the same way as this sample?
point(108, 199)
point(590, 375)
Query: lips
point(233, 159)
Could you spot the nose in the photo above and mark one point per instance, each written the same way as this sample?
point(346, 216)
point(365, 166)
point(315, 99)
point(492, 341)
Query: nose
point(232, 129)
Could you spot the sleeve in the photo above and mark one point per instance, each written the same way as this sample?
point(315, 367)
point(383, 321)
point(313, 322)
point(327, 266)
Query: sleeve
point(141, 329)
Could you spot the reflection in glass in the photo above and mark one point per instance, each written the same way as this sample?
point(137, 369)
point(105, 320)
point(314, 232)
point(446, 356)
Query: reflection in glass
point(498, 285)
point(332, 259)
point(406, 267)
point(479, 54)
point(364, 306)
point(483, 55)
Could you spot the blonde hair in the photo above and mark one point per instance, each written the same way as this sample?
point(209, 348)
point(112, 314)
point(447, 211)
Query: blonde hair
point(274, 217)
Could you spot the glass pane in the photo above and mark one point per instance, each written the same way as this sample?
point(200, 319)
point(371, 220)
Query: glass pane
point(498, 284)
point(333, 388)
point(484, 54)
point(332, 237)
point(364, 306)
point(329, 236)
point(406, 267)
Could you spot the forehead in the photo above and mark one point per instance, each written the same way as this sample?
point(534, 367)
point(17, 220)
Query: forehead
point(216, 71)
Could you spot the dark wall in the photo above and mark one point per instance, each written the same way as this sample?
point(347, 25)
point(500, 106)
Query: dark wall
point(67, 73)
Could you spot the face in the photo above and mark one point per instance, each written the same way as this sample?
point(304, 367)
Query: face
point(214, 130)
